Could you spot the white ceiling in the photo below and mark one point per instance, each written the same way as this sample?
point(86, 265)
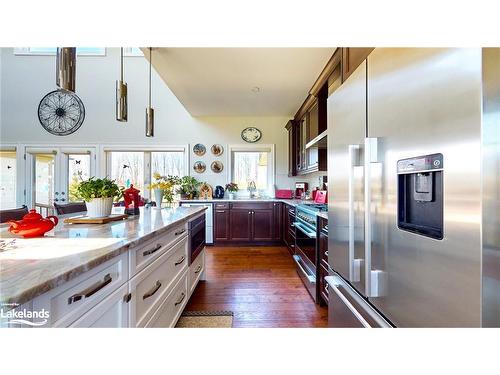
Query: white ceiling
point(219, 81)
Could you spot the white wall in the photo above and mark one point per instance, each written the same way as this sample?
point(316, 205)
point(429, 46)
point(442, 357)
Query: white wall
point(26, 79)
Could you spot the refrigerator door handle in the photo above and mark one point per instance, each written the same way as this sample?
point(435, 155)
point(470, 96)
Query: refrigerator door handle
point(370, 157)
point(353, 162)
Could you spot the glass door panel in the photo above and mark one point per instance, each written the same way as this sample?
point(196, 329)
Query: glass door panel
point(8, 180)
point(127, 168)
point(78, 170)
point(44, 186)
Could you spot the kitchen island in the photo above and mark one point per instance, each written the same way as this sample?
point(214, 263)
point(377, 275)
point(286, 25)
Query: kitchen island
point(32, 269)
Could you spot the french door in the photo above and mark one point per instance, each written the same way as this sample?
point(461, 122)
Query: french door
point(52, 174)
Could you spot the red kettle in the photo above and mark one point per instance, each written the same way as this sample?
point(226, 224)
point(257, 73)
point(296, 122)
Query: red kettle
point(33, 225)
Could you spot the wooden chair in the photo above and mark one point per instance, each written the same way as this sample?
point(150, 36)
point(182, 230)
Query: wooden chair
point(13, 214)
point(70, 208)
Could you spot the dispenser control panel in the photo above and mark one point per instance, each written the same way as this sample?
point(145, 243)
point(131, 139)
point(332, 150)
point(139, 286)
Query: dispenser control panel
point(421, 163)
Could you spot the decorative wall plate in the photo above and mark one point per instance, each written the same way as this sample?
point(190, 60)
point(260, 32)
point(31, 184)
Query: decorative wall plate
point(216, 166)
point(199, 149)
point(61, 112)
point(217, 150)
point(199, 167)
point(251, 134)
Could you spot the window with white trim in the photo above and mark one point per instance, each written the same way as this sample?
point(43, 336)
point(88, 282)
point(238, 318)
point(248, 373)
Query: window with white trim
point(137, 167)
point(255, 163)
point(132, 52)
point(49, 51)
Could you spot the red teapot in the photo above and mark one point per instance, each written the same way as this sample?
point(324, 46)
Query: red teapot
point(32, 225)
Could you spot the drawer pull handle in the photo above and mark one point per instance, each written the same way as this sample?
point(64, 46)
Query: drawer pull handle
point(179, 232)
point(90, 290)
point(220, 211)
point(152, 291)
point(152, 251)
point(180, 299)
point(198, 269)
point(182, 259)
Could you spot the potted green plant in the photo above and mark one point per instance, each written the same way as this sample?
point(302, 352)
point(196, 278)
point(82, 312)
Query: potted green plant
point(231, 188)
point(188, 187)
point(98, 194)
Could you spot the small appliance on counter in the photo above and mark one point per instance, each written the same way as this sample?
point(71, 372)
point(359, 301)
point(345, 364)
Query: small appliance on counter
point(284, 194)
point(219, 192)
point(132, 200)
point(300, 189)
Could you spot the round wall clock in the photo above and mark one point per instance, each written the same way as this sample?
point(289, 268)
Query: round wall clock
point(61, 112)
point(251, 135)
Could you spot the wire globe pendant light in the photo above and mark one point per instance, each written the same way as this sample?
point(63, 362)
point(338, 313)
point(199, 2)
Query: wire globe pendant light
point(121, 95)
point(150, 113)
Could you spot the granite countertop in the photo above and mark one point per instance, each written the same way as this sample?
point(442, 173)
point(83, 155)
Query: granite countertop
point(323, 214)
point(31, 267)
point(291, 202)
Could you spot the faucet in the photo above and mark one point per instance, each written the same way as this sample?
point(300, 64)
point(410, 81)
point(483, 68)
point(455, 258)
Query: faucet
point(251, 189)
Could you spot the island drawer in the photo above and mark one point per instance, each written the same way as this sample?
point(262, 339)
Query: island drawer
point(74, 298)
point(150, 286)
point(196, 270)
point(170, 310)
point(143, 255)
point(221, 206)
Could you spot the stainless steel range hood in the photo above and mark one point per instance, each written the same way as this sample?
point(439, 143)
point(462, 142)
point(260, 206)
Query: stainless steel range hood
point(320, 141)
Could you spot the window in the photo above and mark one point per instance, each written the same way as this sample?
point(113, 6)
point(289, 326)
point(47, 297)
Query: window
point(132, 51)
point(48, 51)
point(127, 168)
point(8, 179)
point(253, 164)
point(137, 167)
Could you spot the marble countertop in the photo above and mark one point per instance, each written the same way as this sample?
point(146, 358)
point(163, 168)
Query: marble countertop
point(31, 267)
point(291, 202)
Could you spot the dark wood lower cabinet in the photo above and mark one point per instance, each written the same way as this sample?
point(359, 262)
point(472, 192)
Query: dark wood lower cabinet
point(240, 221)
point(262, 225)
point(277, 222)
point(288, 217)
point(221, 224)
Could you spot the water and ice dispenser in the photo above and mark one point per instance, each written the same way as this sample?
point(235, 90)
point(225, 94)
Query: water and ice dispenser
point(420, 195)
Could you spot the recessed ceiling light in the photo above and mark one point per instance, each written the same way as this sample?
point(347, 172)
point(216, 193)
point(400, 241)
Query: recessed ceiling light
point(256, 89)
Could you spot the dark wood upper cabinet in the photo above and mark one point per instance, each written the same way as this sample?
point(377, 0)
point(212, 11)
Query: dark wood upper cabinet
point(293, 147)
point(352, 57)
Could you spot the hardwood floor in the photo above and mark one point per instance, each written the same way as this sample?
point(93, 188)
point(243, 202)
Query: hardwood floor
point(261, 287)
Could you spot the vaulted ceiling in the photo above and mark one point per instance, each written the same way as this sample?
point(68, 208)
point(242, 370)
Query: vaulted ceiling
point(240, 81)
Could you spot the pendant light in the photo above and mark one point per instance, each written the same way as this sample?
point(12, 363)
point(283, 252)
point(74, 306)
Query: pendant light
point(150, 113)
point(66, 68)
point(121, 94)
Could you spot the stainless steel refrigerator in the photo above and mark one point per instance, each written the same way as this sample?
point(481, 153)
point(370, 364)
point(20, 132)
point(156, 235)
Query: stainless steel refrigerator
point(414, 190)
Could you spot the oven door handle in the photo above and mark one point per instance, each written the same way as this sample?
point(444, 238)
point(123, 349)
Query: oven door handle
point(298, 260)
point(301, 227)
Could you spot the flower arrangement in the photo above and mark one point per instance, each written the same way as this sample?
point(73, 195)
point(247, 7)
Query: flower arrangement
point(232, 187)
point(166, 185)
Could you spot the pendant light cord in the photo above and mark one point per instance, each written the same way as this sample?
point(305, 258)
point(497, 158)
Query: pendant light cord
point(121, 64)
point(150, 62)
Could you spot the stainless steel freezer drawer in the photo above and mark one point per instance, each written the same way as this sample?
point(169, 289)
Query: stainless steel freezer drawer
point(347, 309)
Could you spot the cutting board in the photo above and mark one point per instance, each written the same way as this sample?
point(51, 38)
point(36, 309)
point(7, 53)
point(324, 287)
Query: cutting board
point(94, 220)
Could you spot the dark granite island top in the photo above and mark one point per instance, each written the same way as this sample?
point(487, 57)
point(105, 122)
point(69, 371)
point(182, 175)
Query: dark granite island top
point(31, 267)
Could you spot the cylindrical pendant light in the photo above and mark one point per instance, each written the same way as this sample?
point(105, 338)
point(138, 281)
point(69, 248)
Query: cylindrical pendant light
point(66, 68)
point(150, 113)
point(121, 94)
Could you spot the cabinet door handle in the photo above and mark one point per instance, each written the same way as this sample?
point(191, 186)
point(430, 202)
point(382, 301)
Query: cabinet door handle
point(152, 291)
point(198, 269)
point(181, 259)
point(179, 301)
point(326, 253)
point(179, 232)
point(249, 212)
point(152, 251)
point(90, 290)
